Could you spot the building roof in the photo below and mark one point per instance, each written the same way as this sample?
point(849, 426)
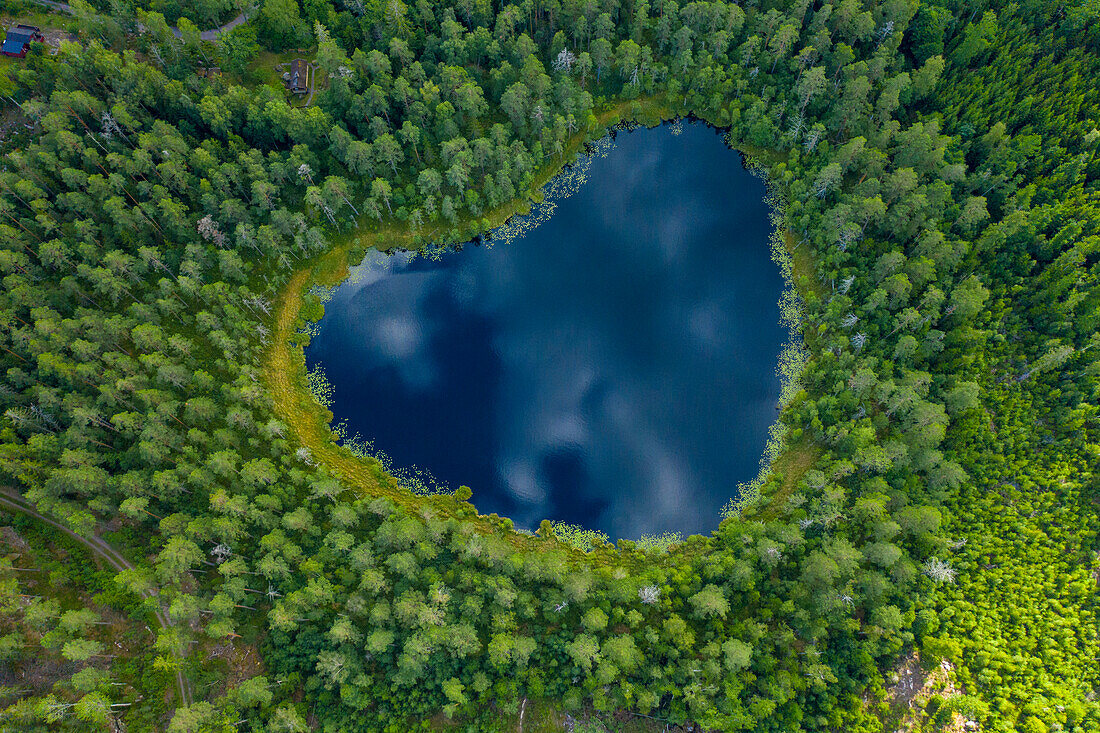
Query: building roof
point(13, 45)
point(22, 33)
point(18, 37)
point(298, 73)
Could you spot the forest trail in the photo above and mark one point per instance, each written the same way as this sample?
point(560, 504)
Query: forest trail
point(11, 500)
point(213, 33)
point(207, 35)
point(62, 7)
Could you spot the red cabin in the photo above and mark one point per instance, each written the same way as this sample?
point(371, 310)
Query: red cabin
point(18, 40)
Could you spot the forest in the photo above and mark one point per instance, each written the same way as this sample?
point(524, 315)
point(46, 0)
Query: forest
point(187, 547)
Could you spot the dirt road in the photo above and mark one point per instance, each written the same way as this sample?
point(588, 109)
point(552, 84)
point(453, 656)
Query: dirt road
point(207, 35)
point(12, 501)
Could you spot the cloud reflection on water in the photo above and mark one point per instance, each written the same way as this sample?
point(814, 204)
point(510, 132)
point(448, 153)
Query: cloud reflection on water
point(613, 367)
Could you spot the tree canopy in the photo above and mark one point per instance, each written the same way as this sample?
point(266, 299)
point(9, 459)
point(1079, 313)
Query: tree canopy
point(933, 167)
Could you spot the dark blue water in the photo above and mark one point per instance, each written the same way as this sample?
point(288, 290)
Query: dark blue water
point(615, 367)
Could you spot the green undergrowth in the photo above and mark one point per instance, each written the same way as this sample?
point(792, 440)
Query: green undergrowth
point(52, 568)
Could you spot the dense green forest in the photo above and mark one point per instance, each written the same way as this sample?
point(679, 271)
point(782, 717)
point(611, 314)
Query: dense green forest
point(923, 553)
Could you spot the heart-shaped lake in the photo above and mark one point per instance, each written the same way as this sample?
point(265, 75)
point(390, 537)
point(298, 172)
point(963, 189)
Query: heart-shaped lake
point(613, 367)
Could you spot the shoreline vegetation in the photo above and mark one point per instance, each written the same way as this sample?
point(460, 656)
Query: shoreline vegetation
point(297, 405)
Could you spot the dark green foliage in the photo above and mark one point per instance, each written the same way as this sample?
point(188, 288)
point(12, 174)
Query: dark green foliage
point(933, 162)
